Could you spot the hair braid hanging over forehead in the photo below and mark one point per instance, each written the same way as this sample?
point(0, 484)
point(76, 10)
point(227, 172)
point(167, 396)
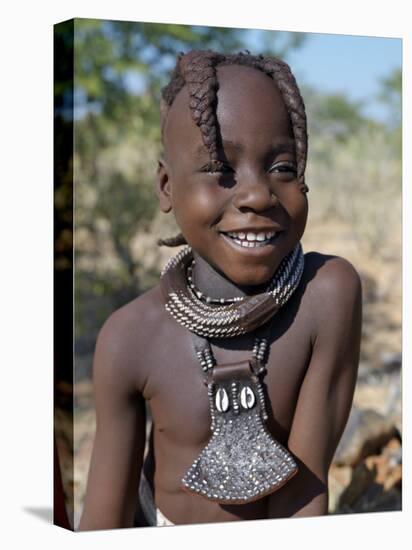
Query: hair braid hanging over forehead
point(285, 81)
point(197, 71)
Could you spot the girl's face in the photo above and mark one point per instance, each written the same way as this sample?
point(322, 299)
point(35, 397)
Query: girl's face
point(252, 196)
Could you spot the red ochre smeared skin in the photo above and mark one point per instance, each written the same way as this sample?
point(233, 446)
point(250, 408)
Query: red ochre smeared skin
point(143, 354)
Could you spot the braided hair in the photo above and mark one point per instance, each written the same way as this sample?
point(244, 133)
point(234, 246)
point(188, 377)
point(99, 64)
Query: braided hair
point(197, 71)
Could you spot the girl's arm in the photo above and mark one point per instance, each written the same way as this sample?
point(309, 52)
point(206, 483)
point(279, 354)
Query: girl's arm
point(326, 394)
point(116, 462)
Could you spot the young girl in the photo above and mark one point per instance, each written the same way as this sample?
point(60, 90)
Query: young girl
point(247, 350)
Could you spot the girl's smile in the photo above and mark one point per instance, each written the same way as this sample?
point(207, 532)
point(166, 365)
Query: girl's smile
point(252, 240)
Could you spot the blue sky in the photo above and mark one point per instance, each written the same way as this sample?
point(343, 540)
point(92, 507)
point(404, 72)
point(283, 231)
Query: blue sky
point(353, 65)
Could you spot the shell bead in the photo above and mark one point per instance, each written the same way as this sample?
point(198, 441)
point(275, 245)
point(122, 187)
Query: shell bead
point(222, 400)
point(247, 398)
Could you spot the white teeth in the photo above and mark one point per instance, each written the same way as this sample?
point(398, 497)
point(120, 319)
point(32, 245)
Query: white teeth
point(251, 236)
point(250, 244)
point(251, 239)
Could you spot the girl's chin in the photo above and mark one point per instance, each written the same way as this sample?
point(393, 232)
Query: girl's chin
point(252, 283)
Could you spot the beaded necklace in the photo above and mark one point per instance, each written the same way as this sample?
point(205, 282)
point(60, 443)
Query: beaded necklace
point(192, 310)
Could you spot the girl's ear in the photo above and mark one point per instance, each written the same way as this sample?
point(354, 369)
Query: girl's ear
point(163, 187)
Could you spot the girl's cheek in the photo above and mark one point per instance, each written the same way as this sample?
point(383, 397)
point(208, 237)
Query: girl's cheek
point(293, 200)
point(204, 197)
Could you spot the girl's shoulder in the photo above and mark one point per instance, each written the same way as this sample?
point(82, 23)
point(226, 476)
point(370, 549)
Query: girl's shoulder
point(327, 273)
point(137, 317)
point(332, 289)
point(127, 339)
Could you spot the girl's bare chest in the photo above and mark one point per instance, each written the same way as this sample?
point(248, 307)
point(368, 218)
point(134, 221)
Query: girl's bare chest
point(178, 396)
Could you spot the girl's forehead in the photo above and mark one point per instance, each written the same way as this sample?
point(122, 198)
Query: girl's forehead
point(248, 97)
point(242, 80)
point(248, 104)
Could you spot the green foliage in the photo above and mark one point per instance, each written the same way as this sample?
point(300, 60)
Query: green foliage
point(333, 115)
point(109, 55)
point(279, 44)
point(391, 96)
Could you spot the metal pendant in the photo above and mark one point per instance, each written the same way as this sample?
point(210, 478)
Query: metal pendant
point(242, 462)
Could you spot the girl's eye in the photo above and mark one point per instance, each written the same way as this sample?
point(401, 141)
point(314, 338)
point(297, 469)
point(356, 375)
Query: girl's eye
point(283, 168)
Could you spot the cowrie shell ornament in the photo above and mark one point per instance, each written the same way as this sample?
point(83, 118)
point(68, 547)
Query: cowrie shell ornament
point(222, 400)
point(247, 398)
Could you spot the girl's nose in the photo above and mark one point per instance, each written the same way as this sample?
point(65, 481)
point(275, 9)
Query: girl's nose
point(254, 193)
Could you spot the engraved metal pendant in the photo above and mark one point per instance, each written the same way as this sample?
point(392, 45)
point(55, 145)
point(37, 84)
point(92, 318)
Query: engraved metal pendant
point(242, 462)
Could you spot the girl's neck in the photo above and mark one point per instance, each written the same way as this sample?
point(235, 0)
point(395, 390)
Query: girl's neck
point(214, 284)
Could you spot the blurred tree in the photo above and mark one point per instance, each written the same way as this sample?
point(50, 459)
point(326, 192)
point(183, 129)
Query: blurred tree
point(333, 115)
point(391, 95)
point(280, 44)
